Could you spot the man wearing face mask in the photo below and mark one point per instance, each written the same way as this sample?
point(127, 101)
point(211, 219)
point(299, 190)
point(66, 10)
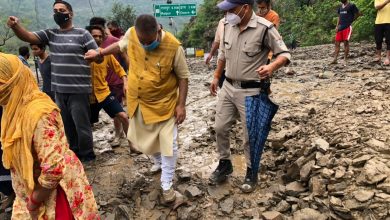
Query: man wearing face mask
point(348, 13)
point(71, 76)
point(244, 50)
point(157, 92)
point(265, 11)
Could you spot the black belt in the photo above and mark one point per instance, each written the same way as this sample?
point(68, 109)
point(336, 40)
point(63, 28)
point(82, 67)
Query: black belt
point(244, 84)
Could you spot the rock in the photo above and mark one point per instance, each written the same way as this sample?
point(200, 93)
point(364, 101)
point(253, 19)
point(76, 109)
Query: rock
point(321, 144)
point(374, 171)
point(192, 192)
point(115, 202)
point(340, 173)
point(385, 187)
point(309, 214)
point(272, 215)
point(290, 71)
point(378, 146)
point(122, 212)
point(352, 204)
point(294, 189)
point(188, 213)
point(323, 161)
point(317, 186)
point(184, 176)
point(227, 205)
point(327, 173)
point(218, 192)
point(282, 206)
point(326, 75)
point(364, 195)
point(335, 201)
point(337, 187)
point(306, 169)
point(375, 143)
point(360, 161)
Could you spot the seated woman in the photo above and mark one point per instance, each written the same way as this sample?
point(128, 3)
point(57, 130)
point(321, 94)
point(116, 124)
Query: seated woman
point(48, 178)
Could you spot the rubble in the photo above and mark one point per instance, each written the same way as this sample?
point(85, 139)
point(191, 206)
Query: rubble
point(327, 155)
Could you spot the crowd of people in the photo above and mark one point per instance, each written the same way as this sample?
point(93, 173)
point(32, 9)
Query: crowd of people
point(46, 136)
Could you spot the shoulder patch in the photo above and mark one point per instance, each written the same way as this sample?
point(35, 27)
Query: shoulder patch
point(264, 22)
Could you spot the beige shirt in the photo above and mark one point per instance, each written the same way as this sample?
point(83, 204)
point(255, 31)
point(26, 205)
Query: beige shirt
point(219, 31)
point(243, 51)
point(179, 63)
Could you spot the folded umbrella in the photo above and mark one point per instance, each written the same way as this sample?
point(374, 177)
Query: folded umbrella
point(260, 111)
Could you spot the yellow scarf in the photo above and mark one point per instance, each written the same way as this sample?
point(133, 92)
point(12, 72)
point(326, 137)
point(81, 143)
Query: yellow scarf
point(24, 105)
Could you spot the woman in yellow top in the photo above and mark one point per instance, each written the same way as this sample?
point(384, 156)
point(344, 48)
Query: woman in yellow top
point(382, 29)
point(102, 98)
point(48, 178)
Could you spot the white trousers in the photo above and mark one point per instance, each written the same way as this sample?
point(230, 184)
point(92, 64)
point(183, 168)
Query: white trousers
point(168, 164)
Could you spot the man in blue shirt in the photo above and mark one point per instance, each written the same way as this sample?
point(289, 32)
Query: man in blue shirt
point(24, 55)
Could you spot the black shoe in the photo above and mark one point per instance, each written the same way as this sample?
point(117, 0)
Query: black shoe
point(222, 172)
point(87, 158)
point(250, 181)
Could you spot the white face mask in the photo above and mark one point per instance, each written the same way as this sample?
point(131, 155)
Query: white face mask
point(233, 19)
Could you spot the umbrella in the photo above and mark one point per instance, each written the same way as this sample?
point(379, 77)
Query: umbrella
point(260, 111)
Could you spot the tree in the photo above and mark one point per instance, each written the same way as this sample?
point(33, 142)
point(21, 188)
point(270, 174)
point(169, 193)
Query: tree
point(199, 32)
point(125, 15)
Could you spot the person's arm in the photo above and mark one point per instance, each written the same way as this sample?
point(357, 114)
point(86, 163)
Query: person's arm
point(217, 76)
point(381, 6)
point(24, 35)
point(182, 73)
point(214, 49)
point(125, 57)
point(221, 63)
point(279, 49)
point(115, 48)
point(49, 144)
point(92, 55)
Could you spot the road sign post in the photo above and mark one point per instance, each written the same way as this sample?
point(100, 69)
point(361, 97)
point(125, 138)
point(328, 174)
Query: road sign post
point(174, 10)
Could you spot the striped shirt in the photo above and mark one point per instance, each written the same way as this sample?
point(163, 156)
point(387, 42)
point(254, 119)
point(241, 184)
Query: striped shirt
point(70, 72)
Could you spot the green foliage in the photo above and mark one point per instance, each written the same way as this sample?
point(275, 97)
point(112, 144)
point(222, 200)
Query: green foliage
point(201, 29)
point(311, 22)
point(314, 22)
point(125, 15)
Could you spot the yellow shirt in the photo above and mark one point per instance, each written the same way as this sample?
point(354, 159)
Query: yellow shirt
point(99, 73)
point(153, 76)
point(383, 15)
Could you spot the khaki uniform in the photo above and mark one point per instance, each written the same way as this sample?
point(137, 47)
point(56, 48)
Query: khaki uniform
point(244, 54)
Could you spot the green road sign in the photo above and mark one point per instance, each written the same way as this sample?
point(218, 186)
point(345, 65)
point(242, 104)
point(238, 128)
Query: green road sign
point(174, 10)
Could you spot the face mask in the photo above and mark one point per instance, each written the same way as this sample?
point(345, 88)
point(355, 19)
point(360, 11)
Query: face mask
point(61, 18)
point(263, 12)
point(151, 46)
point(234, 19)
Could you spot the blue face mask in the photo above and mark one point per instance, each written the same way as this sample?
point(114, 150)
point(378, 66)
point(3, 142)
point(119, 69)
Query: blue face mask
point(151, 46)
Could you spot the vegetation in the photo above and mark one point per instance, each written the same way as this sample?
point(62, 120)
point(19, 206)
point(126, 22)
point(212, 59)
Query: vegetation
point(123, 14)
point(311, 22)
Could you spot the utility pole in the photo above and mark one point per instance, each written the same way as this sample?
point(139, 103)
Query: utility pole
point(172, 23)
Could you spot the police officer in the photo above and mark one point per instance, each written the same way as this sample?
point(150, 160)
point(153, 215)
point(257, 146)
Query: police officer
point(244, 51)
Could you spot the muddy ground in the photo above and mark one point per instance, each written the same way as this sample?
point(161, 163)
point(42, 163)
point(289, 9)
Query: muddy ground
point(327, 156)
